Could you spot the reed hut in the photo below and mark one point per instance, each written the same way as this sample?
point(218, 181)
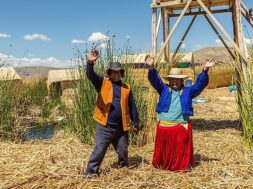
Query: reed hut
point(9, 74)
point(62, 82)
point(138, 60)
point(184, 61)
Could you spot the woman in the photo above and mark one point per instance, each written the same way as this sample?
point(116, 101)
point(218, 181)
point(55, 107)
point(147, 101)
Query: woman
point(173, 144)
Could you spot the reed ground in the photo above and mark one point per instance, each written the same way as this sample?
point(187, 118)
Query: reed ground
point(222, 161)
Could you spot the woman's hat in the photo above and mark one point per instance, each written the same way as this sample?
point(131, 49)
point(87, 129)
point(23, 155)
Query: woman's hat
point(176, 73)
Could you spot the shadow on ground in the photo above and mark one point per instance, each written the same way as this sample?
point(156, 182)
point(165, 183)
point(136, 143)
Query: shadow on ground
point(202, 124)
point(198, 158)
point(134, 162)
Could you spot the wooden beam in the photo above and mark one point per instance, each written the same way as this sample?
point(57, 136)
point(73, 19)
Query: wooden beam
point(219, 36)
point(184, 36)
point(154, 34)
point(202, 12)
point(158, 24)
point(179, 5)
point(247, 18)
point(238, 34)
point(168, 10)
point(237, 24)
point(173, 30)
point(222, 29)
point(246, 13)
point(166, 24)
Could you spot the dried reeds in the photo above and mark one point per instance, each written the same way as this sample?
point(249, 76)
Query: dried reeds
point(219, 76)
point(221, 159)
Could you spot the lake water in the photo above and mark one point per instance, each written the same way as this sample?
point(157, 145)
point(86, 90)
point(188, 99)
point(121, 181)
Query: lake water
point(40, 133)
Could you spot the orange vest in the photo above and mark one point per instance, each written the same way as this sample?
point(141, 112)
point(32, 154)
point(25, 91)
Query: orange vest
point(104, 101)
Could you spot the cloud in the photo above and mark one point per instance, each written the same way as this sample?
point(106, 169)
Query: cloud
point(78, 41)
point(5, 35)
point(37, 36)
point(183, 46)
point(31, 55)
point(249, 42)
point(218, 41)
point(103, 45)
point(11, 60)
point(128, 37)
point(97, 36)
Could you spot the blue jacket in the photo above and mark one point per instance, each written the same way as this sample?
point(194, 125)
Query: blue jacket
point(188, 93)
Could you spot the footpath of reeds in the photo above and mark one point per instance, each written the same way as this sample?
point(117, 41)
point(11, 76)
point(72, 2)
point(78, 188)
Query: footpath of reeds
point(221, 159)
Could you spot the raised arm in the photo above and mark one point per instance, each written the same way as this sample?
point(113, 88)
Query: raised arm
point(153, 76)
point(202, 79)
point(96, 79)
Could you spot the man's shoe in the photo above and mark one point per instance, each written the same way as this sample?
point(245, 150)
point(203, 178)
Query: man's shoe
point(89, 176)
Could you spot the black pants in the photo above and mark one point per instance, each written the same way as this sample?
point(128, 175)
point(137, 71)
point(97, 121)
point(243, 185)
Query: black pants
point(104, 137)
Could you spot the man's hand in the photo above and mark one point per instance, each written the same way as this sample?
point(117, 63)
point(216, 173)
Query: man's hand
point(150, 61)
point(93, 56)
point(209, 64)
point(136, 130)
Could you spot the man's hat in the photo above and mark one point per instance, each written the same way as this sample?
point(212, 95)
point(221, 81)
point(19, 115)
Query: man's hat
point(116, 66)
point(175, 73)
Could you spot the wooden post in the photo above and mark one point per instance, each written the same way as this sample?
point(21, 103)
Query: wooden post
point(219, 36)
point(166, 23)
point(184, 36)
point(222, 29)
point(237, 26)
point(239, 38)
point(247, 13)
point(173, 30)
point(158, 24)
point(154, 23)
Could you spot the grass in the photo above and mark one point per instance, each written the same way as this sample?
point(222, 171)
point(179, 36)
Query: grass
point(80, 116)
point(245, 99)
point(6, 108)
point(24, 105)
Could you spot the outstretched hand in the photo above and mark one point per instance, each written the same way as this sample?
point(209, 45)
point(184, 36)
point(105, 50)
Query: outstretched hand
point(209, 64)
point(92, 56)
point(150, 61)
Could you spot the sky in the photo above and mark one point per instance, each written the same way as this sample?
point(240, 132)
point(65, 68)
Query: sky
point(49, 32)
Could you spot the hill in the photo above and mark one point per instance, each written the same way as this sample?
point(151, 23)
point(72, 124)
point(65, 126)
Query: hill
point(200, 57)
point(218, 53)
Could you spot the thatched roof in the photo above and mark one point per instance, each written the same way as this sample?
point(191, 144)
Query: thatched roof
point(9, 74)
point(140, 58)
point(63, 75)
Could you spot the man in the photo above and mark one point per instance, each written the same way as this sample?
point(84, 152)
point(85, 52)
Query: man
point(173, 144)
point(114, 107)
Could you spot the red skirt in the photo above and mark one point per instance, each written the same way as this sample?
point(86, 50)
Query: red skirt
point(173, 148)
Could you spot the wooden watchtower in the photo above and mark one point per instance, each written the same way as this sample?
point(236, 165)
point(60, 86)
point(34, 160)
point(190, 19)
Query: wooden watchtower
point(207, 8)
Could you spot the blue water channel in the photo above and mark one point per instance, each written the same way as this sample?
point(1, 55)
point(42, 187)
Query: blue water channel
point(40, 133)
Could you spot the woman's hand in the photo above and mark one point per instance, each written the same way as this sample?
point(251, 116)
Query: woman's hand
point(150, 61)
point(209, 64)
